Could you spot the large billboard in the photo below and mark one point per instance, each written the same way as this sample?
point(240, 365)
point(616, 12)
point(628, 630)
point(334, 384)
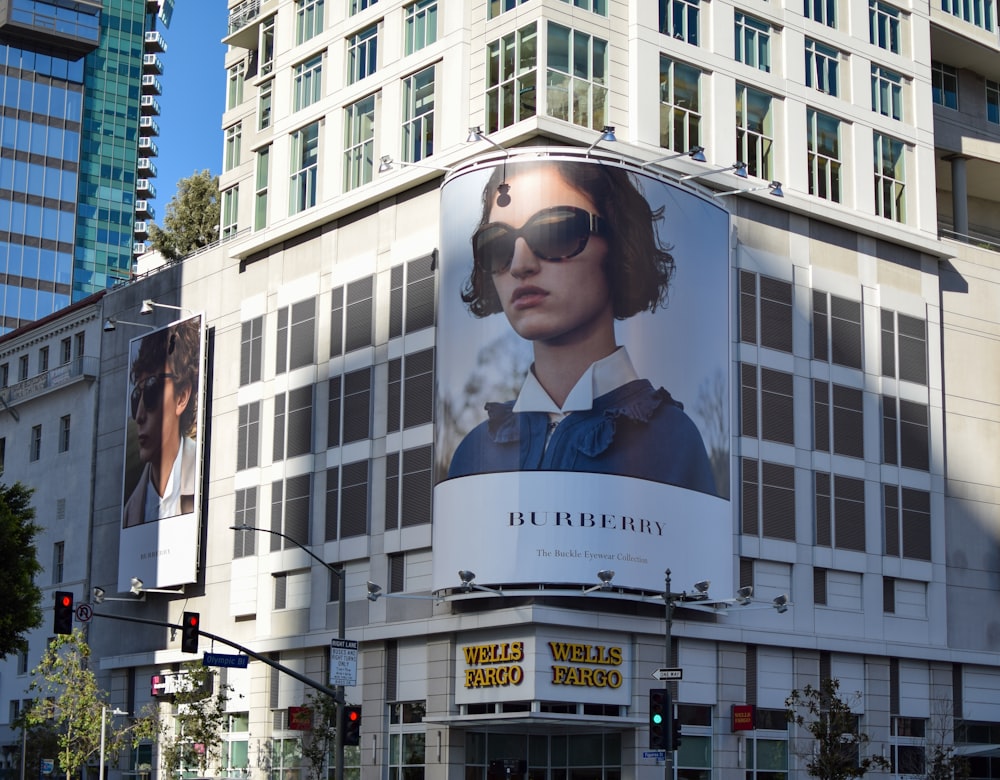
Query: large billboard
point(583, 372)
point(161, 493)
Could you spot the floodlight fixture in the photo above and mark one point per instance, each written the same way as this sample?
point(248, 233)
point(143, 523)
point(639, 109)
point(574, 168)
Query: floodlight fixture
point(607, 134)
point(696, 153)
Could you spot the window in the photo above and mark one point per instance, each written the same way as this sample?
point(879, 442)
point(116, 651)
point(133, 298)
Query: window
point(597, 6)
point(977, 12)
point(266, 46)
point(64, 426)
point(409, 483)
point(679, 19)
point(280, 590)
point(775, 301)
point(357, 397)
point(397, 572)
point(838, 419)
point(43, 360)
point(22, 662)
point(754, 131)
point(420, 25)
point(80, 342)
point(304, 167)
point(264, 105)
point(261, 188)
point(822, 11)
point(234, 138)
point(352, 328)
point(308, 19)
point(248, 436)
point(244, 542)
point(296, 336)
point(65, 351)
point(890, 173)
point(347, 501)
point(361, 5)
point(823, 156)
point(411, 305)
point(944, 85)
point(840, 512)
point(22, 368)
point(251, 350)
point(290, 511)
point(362, 54)
point(293, 423)
point(58, 562)
point(883, 25)
point(307, 82)
point(993, 102)
point(905, 598)
point(511, 64)
point(905, 337)
point(234, 91)
point(230, 212)
point(497, 7)
point(768, 499)
point(576, 77)
point(907, 514)
point(753, 42)
point(359, 142)
point(36, 443)
point(411, 390)
point(887, 92)
point(3, 452)
point(905, 433)
point(769, 413)
point(418, 115)
point(680, 105)
point(837, 334)
point(4, 375)
point(908, 747)
point(821, 67)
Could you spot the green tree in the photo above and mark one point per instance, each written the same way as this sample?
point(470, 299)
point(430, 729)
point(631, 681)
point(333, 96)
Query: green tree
point(318, 740)
point(22, 598)
point(193, 736)
point(69, 706)
point(839, 752)
point(192, 218)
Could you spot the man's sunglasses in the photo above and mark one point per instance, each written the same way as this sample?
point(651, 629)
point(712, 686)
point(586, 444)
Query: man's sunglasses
point(553, 234)
point(150, 392)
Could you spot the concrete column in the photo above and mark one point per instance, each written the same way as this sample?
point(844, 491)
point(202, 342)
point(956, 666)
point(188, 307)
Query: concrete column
point(959, 195)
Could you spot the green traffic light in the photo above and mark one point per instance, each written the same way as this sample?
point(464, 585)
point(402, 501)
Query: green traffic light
point(657, 719)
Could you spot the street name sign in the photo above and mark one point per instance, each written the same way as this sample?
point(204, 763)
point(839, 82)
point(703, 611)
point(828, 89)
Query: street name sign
point(229, 660)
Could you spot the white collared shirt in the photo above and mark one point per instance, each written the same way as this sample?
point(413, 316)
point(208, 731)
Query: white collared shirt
point(170, 503)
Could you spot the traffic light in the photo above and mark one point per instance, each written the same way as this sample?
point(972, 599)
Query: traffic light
point(189, 632)
point(659, 716)
point(62, 618)
point(675, 734)
point(352, 725)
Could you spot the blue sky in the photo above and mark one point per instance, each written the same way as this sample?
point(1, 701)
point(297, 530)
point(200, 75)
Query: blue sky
point(193, 99)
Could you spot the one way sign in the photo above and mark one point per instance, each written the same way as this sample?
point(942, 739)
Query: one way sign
point(668, 674)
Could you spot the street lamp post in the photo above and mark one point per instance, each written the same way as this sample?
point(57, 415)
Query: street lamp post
point(669, 597)
point(104, 721)
point(338, 744)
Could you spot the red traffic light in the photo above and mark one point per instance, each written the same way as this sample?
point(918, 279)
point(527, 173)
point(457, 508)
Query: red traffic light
point(192, 619)
point(353, 715)
point(66, 600)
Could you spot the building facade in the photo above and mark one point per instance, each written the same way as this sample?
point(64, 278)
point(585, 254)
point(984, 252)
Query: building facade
point(853, 426)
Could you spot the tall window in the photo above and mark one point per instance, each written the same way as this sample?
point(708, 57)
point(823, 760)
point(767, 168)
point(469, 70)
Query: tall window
point(420, 25)
point(822, 63)
point(418, 115)
point(753, 42)
point(411, 301)
point(680, 105)
point(234, 140)
point(230, 212)
point(264, 94)
point(36, 443)
point(359, 142)
point(362, 54)
point(840, 512)
point(883, 25)
point(907, 514)
point(838, 419)
point(65, 351)
point(679, 19)
point(822, 11)
point(890, 173)
point(293, 423)
point(307, 82)
point(768, 499)
point(248, 436)
point(3, 452)
point(43, 360)
point(304, 165)
point(261, 176)
point(347, 501)
point(576, 77)
point(244, 542)
point(411, 390)
point(993, 101)
point(408, 486)
point(22, 368)
point(597, 6)
point(64, 428)
point(837, 336)
point(977, 12)
point(497, 7)
point(308, 19)
point(511, 76)
point(360, 5)
point(296, 336)
point(290, 511)
point(266, 46)
point(768, 404)
point(904, 347)
point(944, 85)
point(823, 157)
point(754, 130)
point(234, 90)
point(349, 408)
point(251, 350)
point(887, 92)
point(58, 562)
point(352, 326)
point(775, 316)
point(905, 433)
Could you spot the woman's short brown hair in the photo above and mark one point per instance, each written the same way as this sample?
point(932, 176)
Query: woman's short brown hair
point(638, 266)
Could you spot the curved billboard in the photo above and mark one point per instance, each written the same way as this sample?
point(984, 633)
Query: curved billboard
point(583, 371)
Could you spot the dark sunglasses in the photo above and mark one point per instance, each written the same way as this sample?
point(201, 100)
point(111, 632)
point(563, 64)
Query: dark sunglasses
point(150, 392)
point(553, 234)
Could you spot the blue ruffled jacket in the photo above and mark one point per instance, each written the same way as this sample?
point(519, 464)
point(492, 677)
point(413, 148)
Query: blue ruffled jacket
point(635, 430)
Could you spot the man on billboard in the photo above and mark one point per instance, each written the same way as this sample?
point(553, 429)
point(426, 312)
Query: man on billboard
point(163, 411)
point(565, 248)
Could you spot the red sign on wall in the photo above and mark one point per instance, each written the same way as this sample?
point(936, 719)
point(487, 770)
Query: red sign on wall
point(743, 717)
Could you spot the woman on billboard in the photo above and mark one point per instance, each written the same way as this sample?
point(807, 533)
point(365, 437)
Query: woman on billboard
point(163, 405)
point(563, 249)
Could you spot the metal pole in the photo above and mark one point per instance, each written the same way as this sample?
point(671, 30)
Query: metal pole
point(668, 605)
point(104, 719)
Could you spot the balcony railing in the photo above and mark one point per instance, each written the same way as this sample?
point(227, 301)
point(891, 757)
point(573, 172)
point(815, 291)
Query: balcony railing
point(243, 14)
point(78, 368)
